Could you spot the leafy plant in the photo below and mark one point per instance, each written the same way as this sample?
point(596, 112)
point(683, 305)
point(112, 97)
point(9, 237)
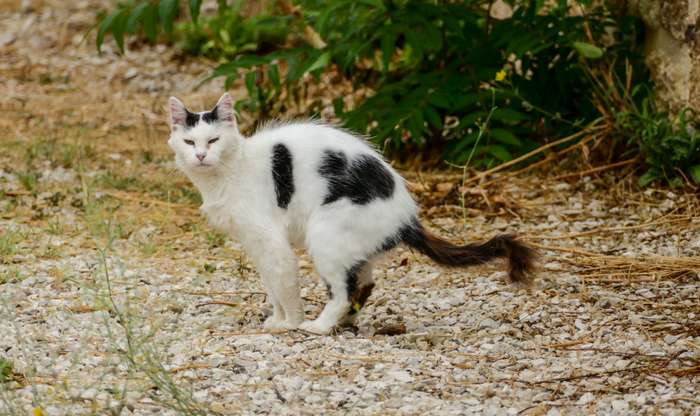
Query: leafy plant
point(229, 33)
point(5, 370)
point(29, 179)
point(431, 68)
point(431, 71)
point(671, 145)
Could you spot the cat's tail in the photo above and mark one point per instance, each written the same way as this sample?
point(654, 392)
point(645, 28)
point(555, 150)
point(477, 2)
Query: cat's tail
point(521, 258)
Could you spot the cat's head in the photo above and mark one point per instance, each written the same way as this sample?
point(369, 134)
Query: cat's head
point(203, 141)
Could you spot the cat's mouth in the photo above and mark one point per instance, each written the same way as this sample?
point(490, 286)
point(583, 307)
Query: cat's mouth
point(203, 165)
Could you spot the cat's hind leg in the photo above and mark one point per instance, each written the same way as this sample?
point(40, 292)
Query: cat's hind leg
point(359, 292)
point(348, 275)
point(338, 306)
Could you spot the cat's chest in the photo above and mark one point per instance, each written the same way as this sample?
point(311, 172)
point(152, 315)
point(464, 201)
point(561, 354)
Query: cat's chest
point(222, 215)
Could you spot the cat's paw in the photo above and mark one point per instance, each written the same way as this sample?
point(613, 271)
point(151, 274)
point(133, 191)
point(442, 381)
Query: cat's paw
point(316, 327)
point(273, 323)
point(348, 320)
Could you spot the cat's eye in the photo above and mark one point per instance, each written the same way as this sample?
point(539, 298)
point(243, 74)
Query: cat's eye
point(214, 140)
point(190, 142)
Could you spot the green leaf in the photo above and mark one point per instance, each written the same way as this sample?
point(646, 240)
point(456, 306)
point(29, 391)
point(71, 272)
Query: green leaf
point(135, 16)
point(274, 74)
point(441, 99)
point(462, 101)
point(338, 105)
point(388, 46)
point(5, 370)
point(244, 62)
point(432, 37)
point(150, 22)
point(506, 137)
point(118, 27)
point(433, 117)
point(416, 46)
point(695, 173)
point(500, 152)
point(649, 177)
point(509, 115)
point(471, 119)
point(167, 12)
point(293, 72)
point(414, 125)
point(320, 62)
point(195, 5)
point(105, 25)
point(538, 5)
point(379, 4)
point(250, 79)
point(588, 50)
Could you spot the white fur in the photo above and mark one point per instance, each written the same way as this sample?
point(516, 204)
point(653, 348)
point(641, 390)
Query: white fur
point(239, 199)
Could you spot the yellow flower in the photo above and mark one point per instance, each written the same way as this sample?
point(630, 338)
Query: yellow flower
point(38, 412)
point(501, 75)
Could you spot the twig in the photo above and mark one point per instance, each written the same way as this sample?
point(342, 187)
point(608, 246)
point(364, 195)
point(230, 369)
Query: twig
point(222, 293)
point(16, 193)
point(194, 366)
point(542, 162)
point(616, 229)
point(587, 375)
point(530, 154)
point(142, 198)
point(565, 249)
point(219, 302)
point(597, 169)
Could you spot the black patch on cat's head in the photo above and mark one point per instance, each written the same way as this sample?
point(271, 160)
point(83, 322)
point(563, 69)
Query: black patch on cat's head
point(192, 119)
point(211, 116)
point(361, 180)
point(282, 174)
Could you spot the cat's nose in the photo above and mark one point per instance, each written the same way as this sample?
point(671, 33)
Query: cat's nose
point(201, 156)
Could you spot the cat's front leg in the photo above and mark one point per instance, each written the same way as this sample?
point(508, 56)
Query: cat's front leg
point(277, 264)
point(277, 319)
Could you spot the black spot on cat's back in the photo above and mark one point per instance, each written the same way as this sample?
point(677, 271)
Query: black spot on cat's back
point(361, 179)
point(282, 174)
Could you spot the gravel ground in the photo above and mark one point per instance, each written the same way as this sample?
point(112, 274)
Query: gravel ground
point(117, 299)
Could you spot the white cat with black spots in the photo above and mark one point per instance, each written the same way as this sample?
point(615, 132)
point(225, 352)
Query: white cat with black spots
point(316, 187)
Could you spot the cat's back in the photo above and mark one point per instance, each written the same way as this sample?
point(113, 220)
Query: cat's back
point(309, 139)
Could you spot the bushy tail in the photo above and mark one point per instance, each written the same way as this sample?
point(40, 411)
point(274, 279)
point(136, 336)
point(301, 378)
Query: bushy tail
point(520, 257)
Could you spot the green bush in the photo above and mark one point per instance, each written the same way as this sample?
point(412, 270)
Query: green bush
point(229, 34)
point(671, 145)
point(443, 76)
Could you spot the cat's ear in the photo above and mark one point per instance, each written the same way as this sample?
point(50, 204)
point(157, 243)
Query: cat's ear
point(178, 113)
point(224, 109)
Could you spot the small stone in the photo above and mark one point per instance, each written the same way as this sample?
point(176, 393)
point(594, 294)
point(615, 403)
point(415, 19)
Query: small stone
point(671, 339)
point(488, 323)
point(585, 399)
point(620, 405)
point(400, 375)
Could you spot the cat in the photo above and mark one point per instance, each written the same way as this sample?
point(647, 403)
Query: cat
point(319, 187)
